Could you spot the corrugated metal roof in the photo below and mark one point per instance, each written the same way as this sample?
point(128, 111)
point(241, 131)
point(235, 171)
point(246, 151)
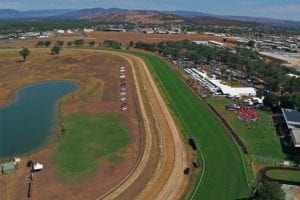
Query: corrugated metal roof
point(296, 137)
point(292, 118)
point(9, 167)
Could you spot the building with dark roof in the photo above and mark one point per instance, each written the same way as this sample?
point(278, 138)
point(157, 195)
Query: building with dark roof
point(292, 120)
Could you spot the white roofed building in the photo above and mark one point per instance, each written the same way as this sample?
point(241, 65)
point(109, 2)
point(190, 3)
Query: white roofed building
point(215, 43)
point(233, 91)
point(88, 30)
point(60, 31)
point(217, 87)
point(37, 166)
point(295, 135)
point(202, 42)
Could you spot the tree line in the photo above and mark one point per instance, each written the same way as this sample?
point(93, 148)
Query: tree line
point(79, 43)
point(39, 25)
point(57, 47)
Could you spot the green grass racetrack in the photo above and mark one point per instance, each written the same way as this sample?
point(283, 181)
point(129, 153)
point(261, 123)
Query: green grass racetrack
point(223, 175)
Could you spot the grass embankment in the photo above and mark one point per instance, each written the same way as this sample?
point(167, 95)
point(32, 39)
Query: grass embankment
point(259, 137)
point(223, 175)
point(87, 139)
point(285, 175)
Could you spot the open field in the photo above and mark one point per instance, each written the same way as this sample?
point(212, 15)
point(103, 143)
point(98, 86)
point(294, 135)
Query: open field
point(159, 173)
point(98, 78)
point(223, 175)
point(259, 137)
point(126, 37)
point(99, 37)
point(88, 138)
point(285, 175)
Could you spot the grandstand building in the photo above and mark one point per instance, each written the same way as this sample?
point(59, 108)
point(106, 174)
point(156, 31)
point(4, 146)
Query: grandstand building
point(217, 87)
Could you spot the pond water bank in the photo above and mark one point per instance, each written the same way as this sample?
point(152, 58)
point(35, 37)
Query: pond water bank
point(29, 121)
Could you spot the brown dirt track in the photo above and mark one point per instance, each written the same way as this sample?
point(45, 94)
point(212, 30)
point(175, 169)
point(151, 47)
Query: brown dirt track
point(159, 173)
point(167, 180)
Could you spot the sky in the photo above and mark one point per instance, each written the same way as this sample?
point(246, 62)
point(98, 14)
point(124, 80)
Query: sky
point(281, 9)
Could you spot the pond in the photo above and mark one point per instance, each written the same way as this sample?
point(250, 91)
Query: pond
point(29, 121)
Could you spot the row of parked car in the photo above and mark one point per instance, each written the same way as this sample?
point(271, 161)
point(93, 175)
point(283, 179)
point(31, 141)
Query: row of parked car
point(123, 89)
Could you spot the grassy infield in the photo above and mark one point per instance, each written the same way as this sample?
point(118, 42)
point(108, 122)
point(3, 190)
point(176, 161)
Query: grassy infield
point(223, 176)
point(89, 138)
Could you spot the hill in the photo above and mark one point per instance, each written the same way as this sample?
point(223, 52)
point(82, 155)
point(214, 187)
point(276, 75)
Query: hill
point(143, 16)
point(15, 14)
point(83, 13)
point(260, 20)
point(120, 15)
point(95, 14)
point(264, 20)
point(210, 20)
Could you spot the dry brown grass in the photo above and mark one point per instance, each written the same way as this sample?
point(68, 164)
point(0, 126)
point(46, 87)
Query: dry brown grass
point(123, 37)
point(126, 37)
point(93, 71)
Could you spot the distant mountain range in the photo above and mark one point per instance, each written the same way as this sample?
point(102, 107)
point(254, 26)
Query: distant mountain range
point(15, 14)
point(137, 16)
point(261, 20)
point(119, 15)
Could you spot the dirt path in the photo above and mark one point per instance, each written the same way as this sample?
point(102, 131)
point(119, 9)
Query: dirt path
point(167, 180)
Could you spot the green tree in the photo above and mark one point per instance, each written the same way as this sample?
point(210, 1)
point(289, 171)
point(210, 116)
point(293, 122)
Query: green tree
point(40, 44)
point(24, 53)
point(112, 43)
point(297, 101)
point(131, 43)
point(288, 101)
point(79, 42)
point(55, 50)
point(47, 43)
point(251, 44)
point(271, 100)
point(270, 191)
point(292, 85)
point(60, 43)
point(92, 43)
point(116, 45)
point(273, 83)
